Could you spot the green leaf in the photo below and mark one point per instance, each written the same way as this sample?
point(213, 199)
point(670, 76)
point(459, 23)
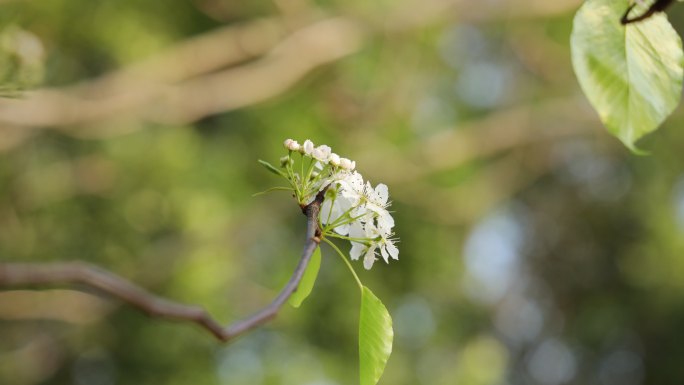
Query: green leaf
point(632, 74)
point(271, 168)
point(308, 279)
point(375, 337)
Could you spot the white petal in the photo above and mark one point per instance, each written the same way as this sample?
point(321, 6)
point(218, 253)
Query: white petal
point(370, 230)
point(377, 209)
point(385, 221)
point(355, 182)
point(342, 229)
point(324, 150)
point(343, 203)
point(362, 214)
point(356, 250)
point(351, 197)
point(346, 164)
point(383, 252)
point(369, 258)
point(325, 213)
point(356, 230)
point(392, 250)
point(369, 192)
point(308, 147)
point(318, 154)
point(335, 159)
point(382, 193)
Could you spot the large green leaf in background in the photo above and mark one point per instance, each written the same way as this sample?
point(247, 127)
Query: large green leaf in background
point(632, 74)
point(308, 279)
point(375, 337)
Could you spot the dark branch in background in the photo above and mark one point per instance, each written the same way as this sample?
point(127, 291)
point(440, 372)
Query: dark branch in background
point(39, 274)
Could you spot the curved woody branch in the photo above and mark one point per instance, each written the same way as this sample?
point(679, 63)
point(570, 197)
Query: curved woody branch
point(30, 274)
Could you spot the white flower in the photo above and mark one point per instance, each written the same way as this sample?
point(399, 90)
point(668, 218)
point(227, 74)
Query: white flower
point(388, 249)
point(307, 147)
point(352, 208)
point(352, 187)
point(291, 145)
point(382, 241)
point(321, 153)
point(376, 239)
point(333, 208)
point(357, 230)
point(344, 196)
point(378, 201)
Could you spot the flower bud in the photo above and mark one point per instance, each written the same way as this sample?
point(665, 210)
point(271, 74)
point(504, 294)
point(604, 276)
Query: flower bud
point(291, 145)
point(308, 147)
point(321, 153)
point(334, 159)
point(347, 164)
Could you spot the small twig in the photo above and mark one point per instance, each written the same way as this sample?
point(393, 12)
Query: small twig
point(270, 311)
point(163, 98)
point(30, 274)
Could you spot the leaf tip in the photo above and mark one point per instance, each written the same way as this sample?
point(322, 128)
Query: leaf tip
point(631, 146)
point(270, 167)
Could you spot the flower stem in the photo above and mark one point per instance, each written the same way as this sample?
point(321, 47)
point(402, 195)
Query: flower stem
point(335, 235)
point(343, 219)
point(312, 164)
point(327, 220)
point(344, 258)
point(291, 176)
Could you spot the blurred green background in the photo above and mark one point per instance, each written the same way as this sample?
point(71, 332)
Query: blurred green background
point(535, 249)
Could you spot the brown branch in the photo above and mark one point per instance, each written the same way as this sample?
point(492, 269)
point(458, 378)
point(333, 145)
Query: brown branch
point(200, 77)
point(185, 94)
point(493, 134)
point(30, 274)
point(412, 14)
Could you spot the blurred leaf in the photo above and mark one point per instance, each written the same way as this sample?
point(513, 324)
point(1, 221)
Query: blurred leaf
point(22, 60)
point(375, 337)
point(271, 168)
point(632, 75)
point(308, 280)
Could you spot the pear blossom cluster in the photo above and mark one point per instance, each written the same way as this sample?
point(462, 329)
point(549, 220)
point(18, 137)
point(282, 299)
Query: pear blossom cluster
point(353, 209)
